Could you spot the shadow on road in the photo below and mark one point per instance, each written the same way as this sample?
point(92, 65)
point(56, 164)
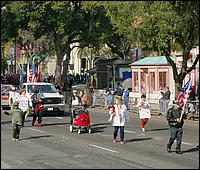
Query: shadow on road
point(36, 137)
point(98, 129)
point(97, 124)
point(52, 124)
point(157, 129)
point(136, 140)
point(6, 122)
point(192, 149)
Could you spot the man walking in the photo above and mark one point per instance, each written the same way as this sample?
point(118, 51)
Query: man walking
point(175, 117)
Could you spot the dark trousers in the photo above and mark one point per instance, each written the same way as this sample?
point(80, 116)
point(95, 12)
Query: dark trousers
point(175, 133)
point(16, 131)
point(121, 132)
point(37, 113)
point(23, 118)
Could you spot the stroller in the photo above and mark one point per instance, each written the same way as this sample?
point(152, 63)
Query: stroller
point(80, 119)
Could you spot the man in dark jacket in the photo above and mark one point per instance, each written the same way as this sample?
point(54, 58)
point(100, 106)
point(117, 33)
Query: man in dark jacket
point(175, 117)
point(38, 105)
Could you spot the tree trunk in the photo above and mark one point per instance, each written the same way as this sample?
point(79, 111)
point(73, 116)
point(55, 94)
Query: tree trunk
point(178, 86)
point(66, 62)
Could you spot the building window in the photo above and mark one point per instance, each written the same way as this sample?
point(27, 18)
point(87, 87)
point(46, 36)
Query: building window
point(152, 82)
point(162, 79)
point(136, 82)
point(143, 82)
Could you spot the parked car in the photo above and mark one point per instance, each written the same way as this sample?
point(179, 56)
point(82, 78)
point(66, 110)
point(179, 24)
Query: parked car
point(5, 88)
point(53, 101)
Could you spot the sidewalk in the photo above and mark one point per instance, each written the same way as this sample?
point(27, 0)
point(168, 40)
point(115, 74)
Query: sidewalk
point(154, 110)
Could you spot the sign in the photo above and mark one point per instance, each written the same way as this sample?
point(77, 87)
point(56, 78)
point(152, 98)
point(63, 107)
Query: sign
point(145, 113)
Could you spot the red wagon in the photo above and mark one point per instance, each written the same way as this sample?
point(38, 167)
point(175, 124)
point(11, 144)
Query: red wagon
point(80, 119)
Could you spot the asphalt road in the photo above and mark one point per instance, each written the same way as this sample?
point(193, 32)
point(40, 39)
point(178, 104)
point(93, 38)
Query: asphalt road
point(54, 147)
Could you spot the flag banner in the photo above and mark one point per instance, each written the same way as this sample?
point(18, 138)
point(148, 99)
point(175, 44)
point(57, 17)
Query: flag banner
point(32, 74)
point(183, 95)
point(18, 52)
point(27, 73)
point(134, 54)
point(127, 74)
point(21, 77)
point(39, 73)
point(139, 53)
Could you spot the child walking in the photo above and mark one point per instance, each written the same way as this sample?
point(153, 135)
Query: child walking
point(143, 105)
point(16, 117)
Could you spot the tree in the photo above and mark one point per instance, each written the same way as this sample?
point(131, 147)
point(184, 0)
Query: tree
point(171, 26)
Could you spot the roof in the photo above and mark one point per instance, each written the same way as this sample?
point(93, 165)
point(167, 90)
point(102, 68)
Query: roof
point(120, 61)
point(152, 60)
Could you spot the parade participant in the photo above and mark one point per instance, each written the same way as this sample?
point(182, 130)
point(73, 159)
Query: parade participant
point(111, 112)
point(38, 105)
point(119, 118)
point(16, 117)
point(85, 100)
point(75, 101)
point(175, 116)
point(143, 105)
point(23, 104)
point(125, 97)
point(109, 98)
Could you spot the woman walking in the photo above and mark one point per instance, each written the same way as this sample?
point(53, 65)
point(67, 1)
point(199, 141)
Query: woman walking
point(120, 116)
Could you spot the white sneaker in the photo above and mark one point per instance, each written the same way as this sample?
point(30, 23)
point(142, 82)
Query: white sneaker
point(143, 129)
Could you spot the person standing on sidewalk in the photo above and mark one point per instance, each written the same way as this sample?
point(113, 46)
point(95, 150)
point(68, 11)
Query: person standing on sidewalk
point(143, 105)
point(16, 117)
point(119, 118)
point(165, 101)
point(175, 116)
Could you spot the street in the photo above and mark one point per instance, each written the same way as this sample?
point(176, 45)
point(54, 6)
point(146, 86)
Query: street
point(54, 147)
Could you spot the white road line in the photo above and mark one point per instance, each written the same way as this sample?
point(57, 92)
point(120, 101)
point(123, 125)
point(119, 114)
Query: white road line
point(59, 117)
point(36, 130)
point(186, 143)
point(103, 148)
point(65, 137)
point(129, 131)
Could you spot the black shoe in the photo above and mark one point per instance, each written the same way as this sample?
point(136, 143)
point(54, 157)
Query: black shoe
point(168, 149)
point(179, 152)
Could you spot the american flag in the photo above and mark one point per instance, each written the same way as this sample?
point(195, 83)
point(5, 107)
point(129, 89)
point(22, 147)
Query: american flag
point(182, 97)
point(32, 74)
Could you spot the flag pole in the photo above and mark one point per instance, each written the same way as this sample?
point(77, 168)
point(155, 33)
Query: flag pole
point(185, 100)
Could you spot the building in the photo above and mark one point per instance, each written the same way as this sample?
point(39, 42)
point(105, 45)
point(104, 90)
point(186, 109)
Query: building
point(150, 74)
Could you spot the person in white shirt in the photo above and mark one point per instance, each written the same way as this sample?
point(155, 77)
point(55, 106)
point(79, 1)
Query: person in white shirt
point(119, 118)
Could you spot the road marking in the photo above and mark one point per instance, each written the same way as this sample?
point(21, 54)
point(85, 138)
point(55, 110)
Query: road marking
point(103, 148)
point(129, 131)
point(37, 130)
point(64, 137)
point(157, 138)
point(59, 117)
point(186, 143)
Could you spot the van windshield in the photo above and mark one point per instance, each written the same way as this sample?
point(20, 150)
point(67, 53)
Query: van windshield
point(41, 88)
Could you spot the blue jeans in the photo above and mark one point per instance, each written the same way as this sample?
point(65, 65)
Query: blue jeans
point(121, 132)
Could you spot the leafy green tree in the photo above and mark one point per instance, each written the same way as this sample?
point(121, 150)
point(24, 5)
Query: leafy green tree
point(171, 26)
